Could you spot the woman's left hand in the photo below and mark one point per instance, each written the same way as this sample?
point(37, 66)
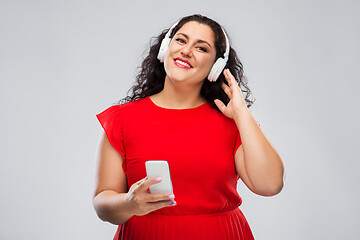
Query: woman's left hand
point(234, 93)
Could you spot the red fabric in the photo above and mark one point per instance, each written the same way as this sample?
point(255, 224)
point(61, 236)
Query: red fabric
point(199, 144)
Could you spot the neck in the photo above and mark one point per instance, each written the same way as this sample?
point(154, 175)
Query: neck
point(179, 96)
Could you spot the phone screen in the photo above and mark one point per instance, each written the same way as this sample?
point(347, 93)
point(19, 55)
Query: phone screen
point(159, 168)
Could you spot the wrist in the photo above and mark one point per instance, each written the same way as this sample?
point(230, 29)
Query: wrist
point(127, 205)
point(240, 112)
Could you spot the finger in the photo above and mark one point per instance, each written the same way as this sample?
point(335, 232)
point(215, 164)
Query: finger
point(229, 77)
point(141, 181)
point(158, 205)
point(221, 106)
point(226, 89)
point(151, 181)
point(137, 184)
point(233, 84)
point(156, 197)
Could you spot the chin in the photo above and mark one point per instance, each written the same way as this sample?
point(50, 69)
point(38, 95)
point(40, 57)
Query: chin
point(177, 79)
point(186, 80)
point(178, 75)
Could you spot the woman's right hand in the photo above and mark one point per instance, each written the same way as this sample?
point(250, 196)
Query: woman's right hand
point(141, 202)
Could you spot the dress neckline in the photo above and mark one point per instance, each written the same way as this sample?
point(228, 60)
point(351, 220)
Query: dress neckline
point(176, 109)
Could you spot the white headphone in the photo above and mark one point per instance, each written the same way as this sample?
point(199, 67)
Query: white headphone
point(216, 69)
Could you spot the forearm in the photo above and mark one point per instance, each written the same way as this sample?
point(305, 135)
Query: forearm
point(112, 207)
point(263, 165)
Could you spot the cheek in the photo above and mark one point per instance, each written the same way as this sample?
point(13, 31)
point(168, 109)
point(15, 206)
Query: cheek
point(207, 64)
point(171, 49)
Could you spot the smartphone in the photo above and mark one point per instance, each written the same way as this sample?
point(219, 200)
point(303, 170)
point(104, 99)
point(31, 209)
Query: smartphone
point(159, 168)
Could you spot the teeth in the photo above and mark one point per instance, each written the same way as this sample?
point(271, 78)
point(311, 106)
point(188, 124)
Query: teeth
point(183, 63)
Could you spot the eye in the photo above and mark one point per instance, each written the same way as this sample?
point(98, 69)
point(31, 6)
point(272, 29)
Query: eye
point(180, 40)
point(202, 49)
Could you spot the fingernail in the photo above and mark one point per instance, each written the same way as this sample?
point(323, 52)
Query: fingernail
point(158, 179)
point(173, 203)
point(172, 196)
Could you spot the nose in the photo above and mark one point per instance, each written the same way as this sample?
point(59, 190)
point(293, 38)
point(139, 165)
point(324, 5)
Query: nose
point(186, 50)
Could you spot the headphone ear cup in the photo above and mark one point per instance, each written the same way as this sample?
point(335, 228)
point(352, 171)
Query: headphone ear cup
point(164, 46)
point(216, 69)
point(163, 49)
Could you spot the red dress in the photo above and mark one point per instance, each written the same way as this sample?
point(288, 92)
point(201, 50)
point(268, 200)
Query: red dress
point(199, 144)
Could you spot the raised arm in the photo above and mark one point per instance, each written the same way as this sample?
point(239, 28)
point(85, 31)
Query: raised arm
point(257, 162)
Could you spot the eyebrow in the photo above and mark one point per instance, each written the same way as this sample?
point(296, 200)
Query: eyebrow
point(199, 41)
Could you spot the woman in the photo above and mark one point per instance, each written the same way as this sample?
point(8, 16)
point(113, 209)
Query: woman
point(202, 128)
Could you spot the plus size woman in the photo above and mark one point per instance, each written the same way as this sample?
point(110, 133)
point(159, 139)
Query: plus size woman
point(188, 109)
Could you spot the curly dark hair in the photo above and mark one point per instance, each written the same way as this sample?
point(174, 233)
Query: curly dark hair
point(151, 77)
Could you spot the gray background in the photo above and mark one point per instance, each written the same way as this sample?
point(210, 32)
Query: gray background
point(62, 62)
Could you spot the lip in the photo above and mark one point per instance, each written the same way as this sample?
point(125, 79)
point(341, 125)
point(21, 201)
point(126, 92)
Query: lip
point(180, 65)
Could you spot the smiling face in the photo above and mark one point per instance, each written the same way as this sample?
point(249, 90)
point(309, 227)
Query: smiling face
point(191, 53)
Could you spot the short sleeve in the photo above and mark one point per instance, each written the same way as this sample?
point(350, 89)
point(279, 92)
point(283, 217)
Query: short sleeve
point(237, 143)
point(238, 140)
point(110, 120)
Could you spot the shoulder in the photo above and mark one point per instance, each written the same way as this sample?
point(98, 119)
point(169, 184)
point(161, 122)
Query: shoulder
point(139, 103)
point(128, 107)
point(116, 112)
